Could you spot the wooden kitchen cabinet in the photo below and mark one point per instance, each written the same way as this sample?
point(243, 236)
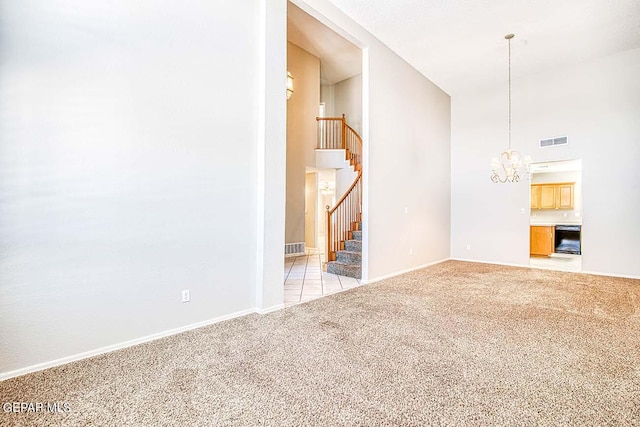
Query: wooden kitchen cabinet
point(552, 196)
point(535, 197)
point(564, 196)
point(542, 241)
point(547, 197)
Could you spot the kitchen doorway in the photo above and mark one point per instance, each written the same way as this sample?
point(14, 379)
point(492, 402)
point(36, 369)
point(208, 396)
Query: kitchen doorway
point(556, 214)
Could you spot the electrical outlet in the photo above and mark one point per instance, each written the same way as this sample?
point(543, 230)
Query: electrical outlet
point(410, 251)
point(468, 247)
point(523, 210)
point(406, 210)
point(186, 295)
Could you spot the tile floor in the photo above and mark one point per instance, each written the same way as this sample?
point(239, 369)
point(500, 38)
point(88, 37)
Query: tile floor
point(559, 262)
point(304, 279)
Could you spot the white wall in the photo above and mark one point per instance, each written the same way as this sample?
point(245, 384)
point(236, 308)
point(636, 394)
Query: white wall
point(597, 104)
point(134, 166)
point(326, 96)
point(406, 133)
point(127, 170)
point(344, 179)
point(344, 97)
point(348, 100)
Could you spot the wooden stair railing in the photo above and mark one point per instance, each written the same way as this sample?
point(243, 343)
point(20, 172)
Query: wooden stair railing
point(335, 133)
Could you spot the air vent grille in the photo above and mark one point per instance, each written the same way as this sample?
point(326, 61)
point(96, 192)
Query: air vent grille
point(291, 249)
point(552, 142)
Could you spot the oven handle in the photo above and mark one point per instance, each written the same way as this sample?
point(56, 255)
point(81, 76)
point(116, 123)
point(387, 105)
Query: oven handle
point(568, 227)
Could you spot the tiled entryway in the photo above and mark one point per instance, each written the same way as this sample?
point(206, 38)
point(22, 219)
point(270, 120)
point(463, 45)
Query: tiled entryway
point(304, 279)
point(558, 262)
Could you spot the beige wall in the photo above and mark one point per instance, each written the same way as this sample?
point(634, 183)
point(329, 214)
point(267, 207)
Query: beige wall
point(311, 191)
point(302, 110)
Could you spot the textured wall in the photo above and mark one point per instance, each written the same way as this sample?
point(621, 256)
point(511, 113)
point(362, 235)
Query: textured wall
point(127, 170)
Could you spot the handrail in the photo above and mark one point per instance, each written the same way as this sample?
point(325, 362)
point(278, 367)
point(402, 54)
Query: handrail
point(346, 193)
point(334, 132)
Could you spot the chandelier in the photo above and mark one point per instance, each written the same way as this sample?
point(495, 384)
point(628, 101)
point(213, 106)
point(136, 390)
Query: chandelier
point(510, 165)
point(327, 188)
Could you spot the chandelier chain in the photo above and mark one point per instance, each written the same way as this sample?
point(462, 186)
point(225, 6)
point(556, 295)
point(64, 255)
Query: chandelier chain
point(510, 166)
point(509, 93)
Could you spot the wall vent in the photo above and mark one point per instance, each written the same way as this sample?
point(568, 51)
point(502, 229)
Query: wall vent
point(292, 249)
point(552, 142)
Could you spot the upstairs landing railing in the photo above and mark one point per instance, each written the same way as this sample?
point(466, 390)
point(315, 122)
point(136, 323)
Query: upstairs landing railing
point(335, 133)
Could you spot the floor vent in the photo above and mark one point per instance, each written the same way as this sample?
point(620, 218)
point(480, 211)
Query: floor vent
point(291, 249)
point(552, 142)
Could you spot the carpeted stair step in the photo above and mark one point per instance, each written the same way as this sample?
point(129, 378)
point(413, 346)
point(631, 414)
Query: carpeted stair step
point(349, 257)
point(343, 269)
point(357, 235)
point(353, 245)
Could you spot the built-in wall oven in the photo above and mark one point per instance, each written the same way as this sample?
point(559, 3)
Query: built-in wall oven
point(568, 239)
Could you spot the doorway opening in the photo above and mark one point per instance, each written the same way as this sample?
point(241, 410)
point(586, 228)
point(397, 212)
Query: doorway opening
point(555, 232)
point(327, 73)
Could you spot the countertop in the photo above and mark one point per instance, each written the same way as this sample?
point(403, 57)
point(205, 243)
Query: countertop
point(550, 224)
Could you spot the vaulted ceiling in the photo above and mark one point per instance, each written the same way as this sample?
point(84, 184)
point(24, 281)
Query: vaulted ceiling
point(459, 44)
point(339, 59)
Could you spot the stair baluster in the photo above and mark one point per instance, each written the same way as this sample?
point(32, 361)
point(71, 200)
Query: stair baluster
point(335, 133)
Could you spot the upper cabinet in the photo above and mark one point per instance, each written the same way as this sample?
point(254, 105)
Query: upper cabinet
point(565, 196)
point(548, 197)
point(535, 197)
point(552, 196)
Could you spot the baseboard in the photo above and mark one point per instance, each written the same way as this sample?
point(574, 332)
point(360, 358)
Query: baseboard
point(125, 344)
point(269, 309)
point(622, 276)
point(491, 262)
point(397, 273)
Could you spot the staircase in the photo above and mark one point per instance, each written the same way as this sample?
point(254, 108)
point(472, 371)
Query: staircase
point(349, 261)
point(344, 220)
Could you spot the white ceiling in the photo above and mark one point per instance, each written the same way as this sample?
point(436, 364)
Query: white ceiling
point(459, 44)
point(339, 59)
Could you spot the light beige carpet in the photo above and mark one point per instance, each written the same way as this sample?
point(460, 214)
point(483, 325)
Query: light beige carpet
point(453, 344)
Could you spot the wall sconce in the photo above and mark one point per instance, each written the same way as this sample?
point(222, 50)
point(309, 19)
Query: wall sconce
point(289, 85)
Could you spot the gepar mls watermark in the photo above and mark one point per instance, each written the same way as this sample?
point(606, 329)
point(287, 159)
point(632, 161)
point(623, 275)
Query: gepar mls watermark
point(36, 407)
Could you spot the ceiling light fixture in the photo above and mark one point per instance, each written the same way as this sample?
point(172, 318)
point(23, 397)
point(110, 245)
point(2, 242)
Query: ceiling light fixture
point(327, 188)
point(289, 85)
point(509, 166)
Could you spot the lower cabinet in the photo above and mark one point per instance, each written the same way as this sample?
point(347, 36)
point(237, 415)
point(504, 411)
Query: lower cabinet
point(542, 240)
